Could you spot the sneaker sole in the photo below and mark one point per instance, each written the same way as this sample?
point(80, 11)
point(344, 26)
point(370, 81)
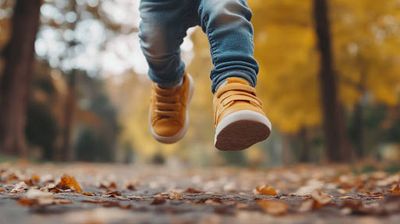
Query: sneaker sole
point(178, 136)
point(240, 130)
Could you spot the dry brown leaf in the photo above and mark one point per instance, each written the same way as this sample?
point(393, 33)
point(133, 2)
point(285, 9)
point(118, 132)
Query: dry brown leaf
point(69, 182)
point(8, 176)
point(158, 200)
point(113, 194)
point(395, 190)
point(88, 193)
point(108, 185)
point(33, 180)
point(193, 191)
point(36, 197)
point(130, 186)
point(272, 207)
point(320, 199)
point(266, 190)
point(19, 187)
point(2, 190)
point(175, 196)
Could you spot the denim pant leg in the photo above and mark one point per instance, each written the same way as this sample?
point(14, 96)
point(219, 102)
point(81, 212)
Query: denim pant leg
point(230, 33)
point(161, 32)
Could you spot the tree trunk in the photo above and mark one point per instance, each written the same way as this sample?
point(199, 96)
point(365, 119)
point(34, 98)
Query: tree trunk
point(304, 156)
point(334, 129)
point(69, 111)
point(358, 123)
point(14, 86)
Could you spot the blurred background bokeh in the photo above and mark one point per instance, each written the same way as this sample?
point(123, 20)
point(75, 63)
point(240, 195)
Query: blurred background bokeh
point(73, 84)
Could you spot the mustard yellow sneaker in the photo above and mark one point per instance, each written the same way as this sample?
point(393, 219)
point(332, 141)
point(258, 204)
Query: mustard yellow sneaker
point(239, 119)
point(169, 117)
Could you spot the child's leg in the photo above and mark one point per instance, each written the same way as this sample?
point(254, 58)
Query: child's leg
point(227, 25)
point(162, 30)
point(239, 118)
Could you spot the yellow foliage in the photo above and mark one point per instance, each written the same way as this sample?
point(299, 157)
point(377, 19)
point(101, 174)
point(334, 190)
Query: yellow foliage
point(366, 37)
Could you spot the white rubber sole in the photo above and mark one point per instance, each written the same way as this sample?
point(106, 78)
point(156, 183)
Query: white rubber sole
point(178, 136)
point(240, 130)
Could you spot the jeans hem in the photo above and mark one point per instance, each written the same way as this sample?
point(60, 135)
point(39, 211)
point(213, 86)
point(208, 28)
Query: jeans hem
point(235, 73)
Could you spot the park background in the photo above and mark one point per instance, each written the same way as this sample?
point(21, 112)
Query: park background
point(73, 84)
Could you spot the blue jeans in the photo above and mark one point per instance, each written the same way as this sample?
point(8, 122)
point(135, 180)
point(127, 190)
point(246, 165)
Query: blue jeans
point(164, 24)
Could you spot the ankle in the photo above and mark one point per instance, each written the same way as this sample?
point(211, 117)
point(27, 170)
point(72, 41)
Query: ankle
point(170, 86)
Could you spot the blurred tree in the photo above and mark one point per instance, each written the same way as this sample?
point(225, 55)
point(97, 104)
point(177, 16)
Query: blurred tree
point(367, 42)
point(82, 29)
point(19, 55)
point(333, 118)
point(285, 43)
point(97, 137)
point(44, 110)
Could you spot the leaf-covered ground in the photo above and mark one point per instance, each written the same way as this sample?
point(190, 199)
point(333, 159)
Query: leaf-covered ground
point(98, 193)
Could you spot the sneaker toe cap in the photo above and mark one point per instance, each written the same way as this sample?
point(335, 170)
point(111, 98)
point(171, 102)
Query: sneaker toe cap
point(166, 128)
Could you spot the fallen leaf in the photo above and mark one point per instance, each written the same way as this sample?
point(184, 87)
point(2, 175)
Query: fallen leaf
point(33, 180)
point(175, 196)
point(265, 190)
point(69, 182)
point(19, 187)
point(130, 186)
point(320, 199)
point(36, 197)
point(395, 190)
point(193, 191)
point(158, 200)
point(8, 176)
point(275, 208)
point(108, 185)
point(113, 194)
point(88, 193)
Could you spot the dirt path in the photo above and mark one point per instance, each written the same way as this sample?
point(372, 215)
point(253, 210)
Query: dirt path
point(132, 194)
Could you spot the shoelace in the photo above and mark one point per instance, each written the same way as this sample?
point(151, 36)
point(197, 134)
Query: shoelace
point(167, 104)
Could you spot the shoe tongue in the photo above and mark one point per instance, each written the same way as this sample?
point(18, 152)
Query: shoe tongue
point(237, 80)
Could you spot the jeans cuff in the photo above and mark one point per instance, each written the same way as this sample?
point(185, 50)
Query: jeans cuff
point(251, 78)
point(166, 83)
